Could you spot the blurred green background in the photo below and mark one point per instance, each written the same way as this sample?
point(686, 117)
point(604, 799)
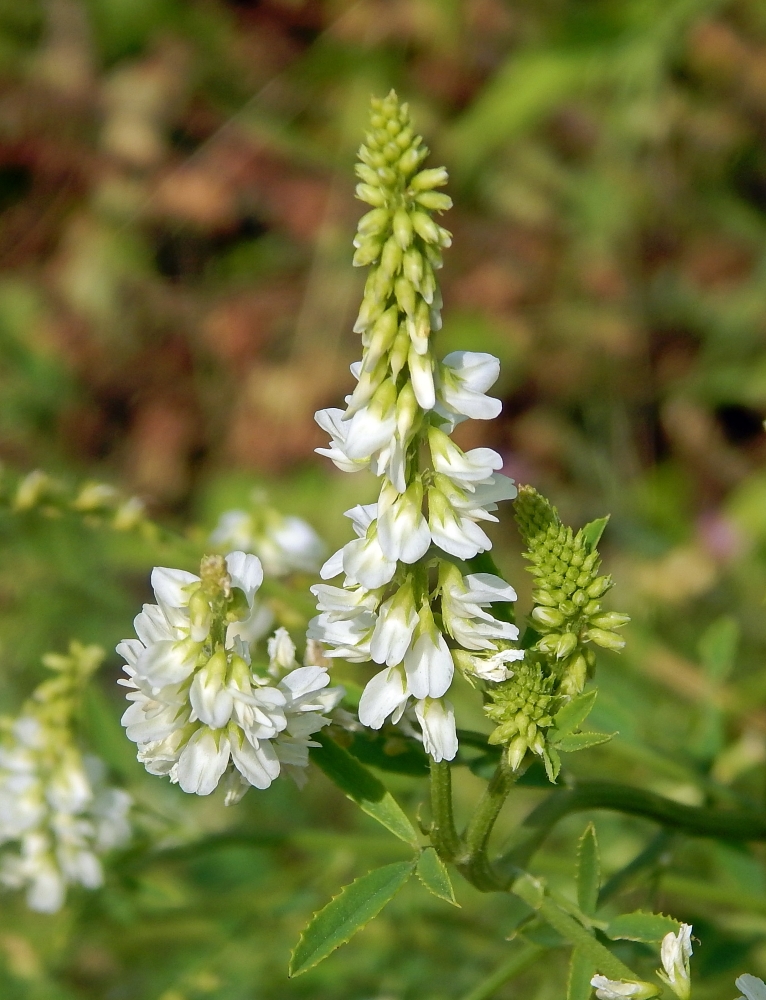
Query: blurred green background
point(176, 300)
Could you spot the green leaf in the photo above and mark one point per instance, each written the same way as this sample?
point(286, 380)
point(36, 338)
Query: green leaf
point(592, 532)
point(433, 873)
point(552, 762)
point(588, 871)
point(363, 788)
point(575, 712)
point(394, 753)
point(581, 741)
point(347, 913)
point(532, 891)
point(640, 926)
point(581, 971)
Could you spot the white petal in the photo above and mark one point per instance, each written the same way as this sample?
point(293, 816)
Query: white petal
point(383, 695)
point(429, 666)
point(437, 720)
point(245, 571)
point(170, 585)
point(333, 567)
point(259, 766)
point(202, 762)
point(167, 662)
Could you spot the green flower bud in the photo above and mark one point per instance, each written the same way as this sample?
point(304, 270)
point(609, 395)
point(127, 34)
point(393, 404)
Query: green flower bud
point(566, 645)
point(402, 228)
point(372, 195)
point(516, 753)
point(367, 253)
point(367, 175)
point(412, 266)
point(405, 295)
point(373, 222)
point(609, 640)
point(547, 617)
point(391, 258)
point(610, 620)
point(427, 179)
point(434, 200)
point(399, 352)
point(412, 158)
point(599, 587)
point(425, 227)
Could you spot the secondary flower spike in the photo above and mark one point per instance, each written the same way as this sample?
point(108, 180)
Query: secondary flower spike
point(407, 601)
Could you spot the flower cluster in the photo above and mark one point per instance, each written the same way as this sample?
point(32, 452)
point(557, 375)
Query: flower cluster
point(53, 801)
point(407, 602)
point(199, 709)
point(567, 618)
point(284, 544)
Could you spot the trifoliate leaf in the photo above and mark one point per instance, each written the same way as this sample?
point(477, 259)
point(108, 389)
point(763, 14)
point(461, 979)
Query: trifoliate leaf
point(640, 926)
point(433, 873)
point(347, 913)
point(363, 788)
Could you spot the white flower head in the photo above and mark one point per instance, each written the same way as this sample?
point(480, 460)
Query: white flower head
point(437, 722)
point(675, 952)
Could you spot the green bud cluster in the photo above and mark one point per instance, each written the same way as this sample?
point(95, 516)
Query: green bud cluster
point(523, 706)
point(402, 244)
point(95, 502)
point(568, 590)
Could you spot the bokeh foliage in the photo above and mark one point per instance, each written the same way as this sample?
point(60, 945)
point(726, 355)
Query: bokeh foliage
point(176, 299)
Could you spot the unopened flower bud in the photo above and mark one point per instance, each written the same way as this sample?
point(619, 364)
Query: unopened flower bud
point(373, 222)
point(516, 752)
point(391, 257)
point(599, 587)
point(405, 295)
point(372, 195)
point(566, 645)
point(413, 157)
point(400, 349)
point(200, 615)
point(434, 200)
point(368, 251)
point(412, 265)
point(609, 640)
point(402, 228)
point(425, 227)
point(428, 179)
point(547, 617)
point(610, 620)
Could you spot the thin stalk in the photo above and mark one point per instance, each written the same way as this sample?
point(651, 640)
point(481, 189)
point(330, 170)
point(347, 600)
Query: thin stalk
point(519, 962)
point(699, 821)
point(474, 863)
point(443, 833)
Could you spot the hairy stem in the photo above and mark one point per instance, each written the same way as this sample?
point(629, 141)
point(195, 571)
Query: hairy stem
point(519, 962)
point(443, 833)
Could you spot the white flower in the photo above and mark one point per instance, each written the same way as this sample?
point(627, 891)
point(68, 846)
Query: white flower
point(464, 468)
point(428, 662)
point(365, 562)
point(453, 532)
point(675, 952)
point(463, 378)
point(57, 807)
point(618, 989)
point(437, 721)
point(281, 650)
point(202, 762)
point(403, 532)
point(283, 544)
point(752, 987)
point(385, 695)
point(331, 421)
point(351, 636)
point(494, 666)
point(396, 622)
point(463, 601)
point(422, 376)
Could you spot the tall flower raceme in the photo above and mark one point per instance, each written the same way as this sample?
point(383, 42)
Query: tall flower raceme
point(407, 600)
point(55, 804)
point(200, 711)
point(284, 543)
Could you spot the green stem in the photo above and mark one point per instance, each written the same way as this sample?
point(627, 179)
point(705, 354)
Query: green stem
point(725, 824)
point(474, 863)
point(519, 962)
point(443, 833)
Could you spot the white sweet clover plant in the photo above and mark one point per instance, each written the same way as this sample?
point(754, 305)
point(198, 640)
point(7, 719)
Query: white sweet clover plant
point(415, 594)
point(407, 594)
